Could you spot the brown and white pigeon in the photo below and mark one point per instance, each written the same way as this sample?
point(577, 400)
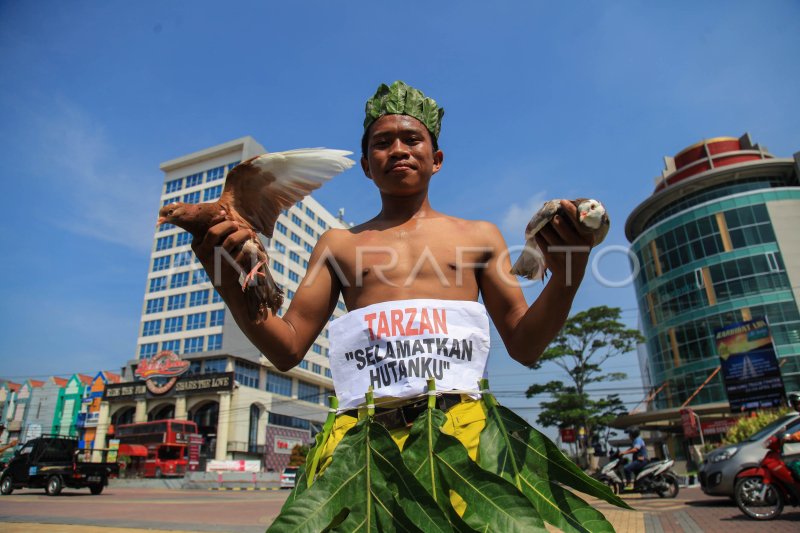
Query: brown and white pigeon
point(592, 218)
point(255, 192)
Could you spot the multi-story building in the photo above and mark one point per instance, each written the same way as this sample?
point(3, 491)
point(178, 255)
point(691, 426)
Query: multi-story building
point(183, 313)
point(717, 243)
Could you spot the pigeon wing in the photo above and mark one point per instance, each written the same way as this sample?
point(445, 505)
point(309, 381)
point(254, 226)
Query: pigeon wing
point(542, 217)
point(259, 188)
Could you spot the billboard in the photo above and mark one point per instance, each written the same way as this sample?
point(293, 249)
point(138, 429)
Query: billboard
point(749, 365)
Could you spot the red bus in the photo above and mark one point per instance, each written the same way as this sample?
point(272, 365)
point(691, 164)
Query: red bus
point(167, 443)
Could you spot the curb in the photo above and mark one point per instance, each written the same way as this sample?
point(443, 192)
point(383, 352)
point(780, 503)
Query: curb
point(244, 488)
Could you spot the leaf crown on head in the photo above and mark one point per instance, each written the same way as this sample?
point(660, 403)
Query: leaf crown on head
point(401, 99)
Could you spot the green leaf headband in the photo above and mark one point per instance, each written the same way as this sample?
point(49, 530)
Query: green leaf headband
point(401, 99)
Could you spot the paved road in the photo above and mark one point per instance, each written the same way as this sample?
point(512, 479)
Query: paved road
point(128, 509)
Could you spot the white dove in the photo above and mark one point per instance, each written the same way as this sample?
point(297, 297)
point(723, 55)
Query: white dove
point(592, 218)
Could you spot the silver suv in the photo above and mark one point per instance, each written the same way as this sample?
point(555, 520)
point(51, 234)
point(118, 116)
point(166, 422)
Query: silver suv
point(720, 467)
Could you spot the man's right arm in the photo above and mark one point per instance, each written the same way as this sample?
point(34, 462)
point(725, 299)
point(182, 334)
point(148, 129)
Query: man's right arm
point(283, 340)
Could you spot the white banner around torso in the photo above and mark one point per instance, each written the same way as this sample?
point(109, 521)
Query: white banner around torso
point(395, 347)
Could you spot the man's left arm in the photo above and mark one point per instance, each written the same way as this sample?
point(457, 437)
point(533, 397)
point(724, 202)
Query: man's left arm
point(527, 331)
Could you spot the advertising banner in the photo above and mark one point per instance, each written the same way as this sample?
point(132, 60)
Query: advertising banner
point(749, 365)
point(689, 423)
point(233, 466)
point(188, 385)
point(567, 435)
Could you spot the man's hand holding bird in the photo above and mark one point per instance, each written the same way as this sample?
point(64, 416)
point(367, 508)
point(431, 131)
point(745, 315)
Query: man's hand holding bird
point(255, 193)
point(559, 238)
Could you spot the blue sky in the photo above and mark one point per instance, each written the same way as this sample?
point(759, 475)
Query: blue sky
point(542, 99)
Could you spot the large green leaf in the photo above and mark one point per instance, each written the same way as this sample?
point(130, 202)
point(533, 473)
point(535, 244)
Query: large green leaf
point(441, 463)
point(366, 487)
point(514, 450)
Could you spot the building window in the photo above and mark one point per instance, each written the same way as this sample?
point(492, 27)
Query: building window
point(183, 258)
point(317, 369)
point(310, 213)
point(181, 279)
point(184, 238)
point(296, 238)
point(174, 185)
point(252, 434)
point(294, 257)
point(321, 223)
point(197, 298)
point(176, 301)
point(749, 226)
point(194, 179)
point(196, 321)
point(217, 318)
point(199, 276)
point(308, 247)
point(281, 227)
point(279, 246)
point(340, 306)
point(293, 276)
point(215, 342)
point(231, 165)
point(151, 327)
point(216, 298)
point(156, 305)
point(191, 197)
point(316, 348)
point(308, 229)
point(296, 220)
point(278, 384)
point(166, 226)
point(287, 421)
point(299, 204)
point(303, 364)
point(193, 345)
point(164, 243)
point(277, 267)
point(246, 374)
point(328, 373)
point(146, 351)
point(161, 263)
point(215, 174)
point(158, 284)
point(307, 392)
point(212, 193)
point(290, 294)
point(171, 200)
point(194, 368)
point(172, 346)
point(215, 366)
point(173, 324)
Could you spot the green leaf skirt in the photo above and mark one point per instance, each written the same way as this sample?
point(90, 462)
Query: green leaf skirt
point(478, 467)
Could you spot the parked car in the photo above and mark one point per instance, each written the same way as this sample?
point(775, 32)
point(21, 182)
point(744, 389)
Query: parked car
point(720, 467)
point(288, 477)
point(52, 462)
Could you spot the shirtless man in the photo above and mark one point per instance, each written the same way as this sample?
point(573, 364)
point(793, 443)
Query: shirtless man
point(407, 251)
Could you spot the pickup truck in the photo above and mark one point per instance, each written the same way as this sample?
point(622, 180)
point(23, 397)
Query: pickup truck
point(53, 462)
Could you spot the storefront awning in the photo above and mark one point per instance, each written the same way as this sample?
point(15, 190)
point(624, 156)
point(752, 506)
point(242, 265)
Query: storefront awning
point(664, 419)
point(133, 450)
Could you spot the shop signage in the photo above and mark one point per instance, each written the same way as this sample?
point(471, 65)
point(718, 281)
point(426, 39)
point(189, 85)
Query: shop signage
point(233, 466)
point(749, 366)
point(284, 445)
point(716, 427)
point(567, 435)
point(188, 385)
point(161, 372)
point(689, 423)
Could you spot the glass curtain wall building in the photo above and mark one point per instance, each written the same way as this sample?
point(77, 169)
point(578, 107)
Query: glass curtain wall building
point(718, 242)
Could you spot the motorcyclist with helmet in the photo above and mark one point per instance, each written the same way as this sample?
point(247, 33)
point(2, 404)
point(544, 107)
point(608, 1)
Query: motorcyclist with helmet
point(639, 451)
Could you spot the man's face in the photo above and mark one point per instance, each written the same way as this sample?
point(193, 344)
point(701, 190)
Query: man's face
point(400, 157)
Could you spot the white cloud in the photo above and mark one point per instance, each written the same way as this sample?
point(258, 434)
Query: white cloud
point(103, 197)
point(517, 216)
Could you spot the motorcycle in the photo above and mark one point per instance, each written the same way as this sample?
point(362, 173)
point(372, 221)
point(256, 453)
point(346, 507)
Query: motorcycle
point(761, 492)
point(656, 477)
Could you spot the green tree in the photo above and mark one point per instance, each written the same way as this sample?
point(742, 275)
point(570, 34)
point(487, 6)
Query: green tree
point(587, 340)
